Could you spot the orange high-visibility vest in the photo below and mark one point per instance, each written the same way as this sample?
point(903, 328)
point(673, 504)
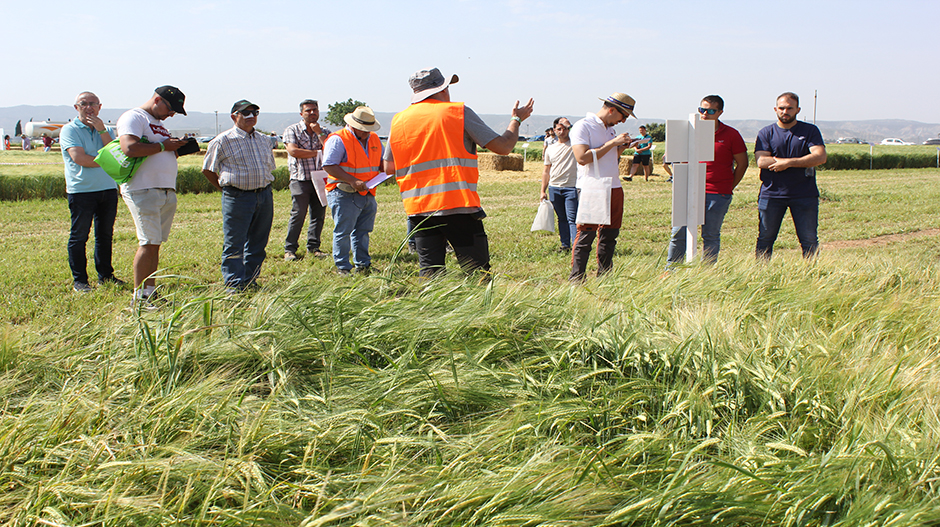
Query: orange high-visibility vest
point(359, 164)
point(432, 166)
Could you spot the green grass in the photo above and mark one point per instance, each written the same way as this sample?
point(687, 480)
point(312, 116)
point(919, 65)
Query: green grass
point(786, 393)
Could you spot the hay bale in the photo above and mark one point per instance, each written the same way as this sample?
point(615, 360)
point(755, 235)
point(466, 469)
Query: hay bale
point(625, 163)
point(490, 161)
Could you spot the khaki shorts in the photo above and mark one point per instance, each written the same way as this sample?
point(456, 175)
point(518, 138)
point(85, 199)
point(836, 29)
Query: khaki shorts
point(153, 210)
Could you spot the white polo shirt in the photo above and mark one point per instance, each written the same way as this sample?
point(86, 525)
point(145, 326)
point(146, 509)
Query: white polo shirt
point(591, 131)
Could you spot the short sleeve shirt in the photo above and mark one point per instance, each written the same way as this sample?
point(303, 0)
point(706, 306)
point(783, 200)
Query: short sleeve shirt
point(564, 169)
point(301, 169)
point(796, 141)
point(645, 140)
point(591, 131)
point(242, 160)
point(79, 179)
point(158, 170)
point(719, 174)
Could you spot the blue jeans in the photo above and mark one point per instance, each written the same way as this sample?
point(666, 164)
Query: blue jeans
point(353, 220)
point(87, 207)
point(246, 225)
point(565, 202)
point(716, 206)
point(805, 213)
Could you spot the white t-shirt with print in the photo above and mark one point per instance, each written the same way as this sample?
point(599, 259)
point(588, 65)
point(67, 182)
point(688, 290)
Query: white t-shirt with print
point(158, 170)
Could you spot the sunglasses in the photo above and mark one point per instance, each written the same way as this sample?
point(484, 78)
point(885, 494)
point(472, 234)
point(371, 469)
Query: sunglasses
point(709, 111)
point(249, 113)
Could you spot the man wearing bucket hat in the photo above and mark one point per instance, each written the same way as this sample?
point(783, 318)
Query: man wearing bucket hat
point(432, 151)
point(597, 148)
point(151, 194)
point(352, 157)
point(239, 162)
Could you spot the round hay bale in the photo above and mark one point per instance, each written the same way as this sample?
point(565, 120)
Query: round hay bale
point(491, 161)
point(625, 163)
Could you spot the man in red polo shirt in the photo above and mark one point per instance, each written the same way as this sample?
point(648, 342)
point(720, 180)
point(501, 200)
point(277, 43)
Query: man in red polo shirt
point(721, 176)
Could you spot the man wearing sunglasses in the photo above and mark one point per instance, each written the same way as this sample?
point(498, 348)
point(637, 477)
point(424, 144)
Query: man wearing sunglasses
point(721, 176)
point(151, 194)
point(787, 153)
point(239, 162)
point(593, 138)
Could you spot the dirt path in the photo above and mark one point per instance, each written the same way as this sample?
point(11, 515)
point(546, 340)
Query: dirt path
point(880, 240)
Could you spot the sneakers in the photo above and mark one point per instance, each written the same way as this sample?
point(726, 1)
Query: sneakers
point(319, 254)
point(81, 287)
point(364, 271)
point(342, 272)
point(292, 257)
point(112, 280)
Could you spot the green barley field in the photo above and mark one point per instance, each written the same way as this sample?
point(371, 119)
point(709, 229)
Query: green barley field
point(794, 393)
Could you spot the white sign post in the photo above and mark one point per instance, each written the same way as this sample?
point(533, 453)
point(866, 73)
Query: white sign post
point(689, 144)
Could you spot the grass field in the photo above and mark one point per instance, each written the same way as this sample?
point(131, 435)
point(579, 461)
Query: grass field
point(781, 393)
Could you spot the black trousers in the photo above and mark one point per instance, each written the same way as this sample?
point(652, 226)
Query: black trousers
point(465, 234)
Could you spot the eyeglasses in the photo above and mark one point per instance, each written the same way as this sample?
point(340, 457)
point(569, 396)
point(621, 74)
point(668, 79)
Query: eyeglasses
point(86, 104)
point(709, 111)
point(249, 113)
point(624, 115)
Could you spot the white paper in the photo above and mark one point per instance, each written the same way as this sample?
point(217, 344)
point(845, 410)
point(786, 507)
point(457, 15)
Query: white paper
point(374, 182)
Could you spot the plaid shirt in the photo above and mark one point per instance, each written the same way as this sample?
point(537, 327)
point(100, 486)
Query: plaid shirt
point(301, 169)
point(242, 160)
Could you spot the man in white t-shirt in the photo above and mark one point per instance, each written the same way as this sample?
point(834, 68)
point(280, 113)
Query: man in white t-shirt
point(151, 193)
point(594, 137)
point(558, 182)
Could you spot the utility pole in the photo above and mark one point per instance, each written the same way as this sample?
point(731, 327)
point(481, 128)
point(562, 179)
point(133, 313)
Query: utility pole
point(814, 107)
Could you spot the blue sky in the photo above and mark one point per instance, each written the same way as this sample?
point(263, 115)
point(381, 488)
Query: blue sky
point(867, 59)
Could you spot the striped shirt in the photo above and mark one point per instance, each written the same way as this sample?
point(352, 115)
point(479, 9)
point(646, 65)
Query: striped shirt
point(242, 160)
point(301, 169)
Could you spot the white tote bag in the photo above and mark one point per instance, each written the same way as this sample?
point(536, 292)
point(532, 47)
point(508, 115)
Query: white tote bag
point(544, 218)
point(594, 197)
point(318, 178)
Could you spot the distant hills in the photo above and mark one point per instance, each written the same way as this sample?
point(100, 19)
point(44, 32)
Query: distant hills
point(205, 123)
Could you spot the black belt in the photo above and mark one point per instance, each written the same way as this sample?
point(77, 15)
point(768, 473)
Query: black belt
point(262, 189)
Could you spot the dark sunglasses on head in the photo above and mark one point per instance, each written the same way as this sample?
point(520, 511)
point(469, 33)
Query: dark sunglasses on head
point(709, 111)
point(249, 113)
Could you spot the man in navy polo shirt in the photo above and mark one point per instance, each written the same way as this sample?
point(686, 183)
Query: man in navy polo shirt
point(92, 194)
point(787, 153)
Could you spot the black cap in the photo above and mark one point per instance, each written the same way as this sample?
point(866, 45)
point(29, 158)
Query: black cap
point(173, 96)
point(244, 105)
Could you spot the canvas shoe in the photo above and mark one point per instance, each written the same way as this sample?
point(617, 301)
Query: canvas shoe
point(81, 287)
point(112, 280)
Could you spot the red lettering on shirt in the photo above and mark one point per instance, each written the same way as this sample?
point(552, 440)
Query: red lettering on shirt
point(158, 129)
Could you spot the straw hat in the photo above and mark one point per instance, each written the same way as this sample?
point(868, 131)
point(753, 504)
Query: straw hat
point(363, 119)
point(622, 101)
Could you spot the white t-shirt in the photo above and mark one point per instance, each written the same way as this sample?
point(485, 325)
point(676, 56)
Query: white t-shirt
point(591, 131)
point(158, 170)
point(564, 171)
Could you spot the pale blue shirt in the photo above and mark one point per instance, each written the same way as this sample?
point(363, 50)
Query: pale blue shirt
point(79, 179)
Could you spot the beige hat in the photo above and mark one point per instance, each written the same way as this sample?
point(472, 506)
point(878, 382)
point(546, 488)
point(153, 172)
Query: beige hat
point(362, 118)
point(622, 101)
